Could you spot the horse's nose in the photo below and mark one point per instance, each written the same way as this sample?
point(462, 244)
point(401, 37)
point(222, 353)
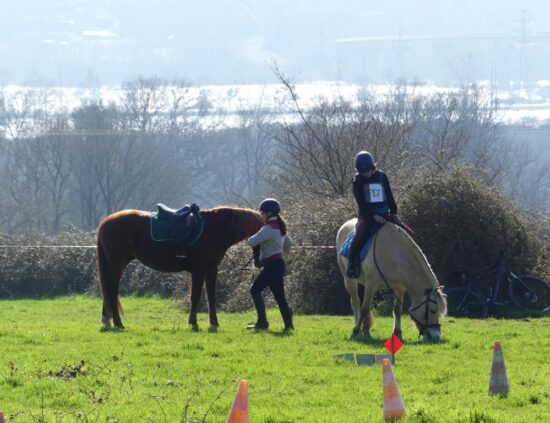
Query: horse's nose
point(431, 334)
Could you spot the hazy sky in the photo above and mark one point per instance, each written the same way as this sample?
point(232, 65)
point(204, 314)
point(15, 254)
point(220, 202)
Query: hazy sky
point(78, 42)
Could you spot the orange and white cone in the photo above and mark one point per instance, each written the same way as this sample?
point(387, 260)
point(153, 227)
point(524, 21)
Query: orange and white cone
point(498, 385)
point(393, 403)
point(239, 411)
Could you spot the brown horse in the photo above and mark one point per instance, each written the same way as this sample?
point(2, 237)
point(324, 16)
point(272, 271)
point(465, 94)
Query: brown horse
point(126, 235)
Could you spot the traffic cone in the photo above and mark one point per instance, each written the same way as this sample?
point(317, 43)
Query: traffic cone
point(498, 385)
point(239, 411)
point(393, 403)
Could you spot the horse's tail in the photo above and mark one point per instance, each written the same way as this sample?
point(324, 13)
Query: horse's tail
point(108, 292)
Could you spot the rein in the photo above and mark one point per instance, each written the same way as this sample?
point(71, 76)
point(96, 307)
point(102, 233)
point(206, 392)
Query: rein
point(425, 303)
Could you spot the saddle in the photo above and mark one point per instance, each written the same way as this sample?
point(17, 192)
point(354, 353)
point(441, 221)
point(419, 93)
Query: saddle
point(344, 249)
point(182, 225)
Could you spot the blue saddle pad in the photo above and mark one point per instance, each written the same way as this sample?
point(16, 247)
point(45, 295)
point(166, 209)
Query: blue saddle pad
point(344, 249)
point(159, 230)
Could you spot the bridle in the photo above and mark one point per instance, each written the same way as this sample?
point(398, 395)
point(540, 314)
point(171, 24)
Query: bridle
point(425, 303)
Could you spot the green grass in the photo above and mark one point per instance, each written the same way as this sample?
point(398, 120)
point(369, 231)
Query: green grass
point(56, 365)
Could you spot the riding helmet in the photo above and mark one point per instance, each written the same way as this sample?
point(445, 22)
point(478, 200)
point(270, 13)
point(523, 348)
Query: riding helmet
point(270, 205)
point(364, 161)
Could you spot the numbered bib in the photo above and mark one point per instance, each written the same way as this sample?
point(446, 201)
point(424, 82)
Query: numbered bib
point(376, 193)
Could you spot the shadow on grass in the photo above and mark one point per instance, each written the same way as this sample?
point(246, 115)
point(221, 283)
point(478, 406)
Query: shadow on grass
point(282, 334)
point(278, 334)
point(113, 330)
point(379, 342)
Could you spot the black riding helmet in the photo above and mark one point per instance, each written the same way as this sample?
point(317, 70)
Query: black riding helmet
point(270, 205)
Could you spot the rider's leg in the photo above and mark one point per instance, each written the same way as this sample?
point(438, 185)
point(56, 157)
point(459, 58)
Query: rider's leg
point(361, 230)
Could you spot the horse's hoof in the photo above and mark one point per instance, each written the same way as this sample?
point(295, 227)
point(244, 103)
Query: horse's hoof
point(106, 322)
point(354, 335)
point(194, 327)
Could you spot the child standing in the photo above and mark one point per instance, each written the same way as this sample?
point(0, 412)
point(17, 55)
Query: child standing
point(273, 241)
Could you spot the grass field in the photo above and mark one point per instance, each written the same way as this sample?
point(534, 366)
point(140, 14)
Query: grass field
point(56, 365)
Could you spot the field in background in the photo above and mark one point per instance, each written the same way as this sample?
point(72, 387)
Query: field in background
point(56, 365)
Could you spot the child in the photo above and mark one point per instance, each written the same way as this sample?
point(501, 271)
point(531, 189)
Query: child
point(375, 201)
point(273, 241)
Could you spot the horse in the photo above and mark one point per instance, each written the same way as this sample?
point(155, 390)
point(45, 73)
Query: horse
point(126, 235)
point(394, 261)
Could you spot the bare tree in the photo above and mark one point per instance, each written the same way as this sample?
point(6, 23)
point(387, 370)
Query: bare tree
point(318, 150)
point(135, 153)
point(56, 159)
point(24, 113)
point(458, 127)
point(36, 172)
point(244, 159)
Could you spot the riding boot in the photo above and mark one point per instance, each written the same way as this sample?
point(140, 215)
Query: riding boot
point(354, 265)
point(287, 313)
point(262, 322)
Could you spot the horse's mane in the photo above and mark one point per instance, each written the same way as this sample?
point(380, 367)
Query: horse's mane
point(427, 269)
point(239, 213)
point(420, 256)
point(223, 208)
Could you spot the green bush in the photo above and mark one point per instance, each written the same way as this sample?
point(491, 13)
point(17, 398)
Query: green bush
point(314, 281)
point(39, 265)
point(462, 224)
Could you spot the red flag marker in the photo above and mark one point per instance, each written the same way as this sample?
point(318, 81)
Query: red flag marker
point(393, 344)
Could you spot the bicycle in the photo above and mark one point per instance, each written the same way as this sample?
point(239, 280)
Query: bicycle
point(528, 293)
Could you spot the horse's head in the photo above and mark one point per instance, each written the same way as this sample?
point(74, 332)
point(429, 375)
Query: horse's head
point(425, 311)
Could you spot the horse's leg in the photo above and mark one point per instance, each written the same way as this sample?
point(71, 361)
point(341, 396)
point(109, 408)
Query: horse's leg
point(211, 276)
point(365, 320)
point(116, 276)
point(110, 273)
point(353, 290)
point(398, 311)
point(197, 281)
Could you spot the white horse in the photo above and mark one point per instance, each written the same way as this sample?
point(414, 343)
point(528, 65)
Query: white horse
point(394, 261)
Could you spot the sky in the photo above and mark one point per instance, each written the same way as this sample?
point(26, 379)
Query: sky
point(109, 42)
